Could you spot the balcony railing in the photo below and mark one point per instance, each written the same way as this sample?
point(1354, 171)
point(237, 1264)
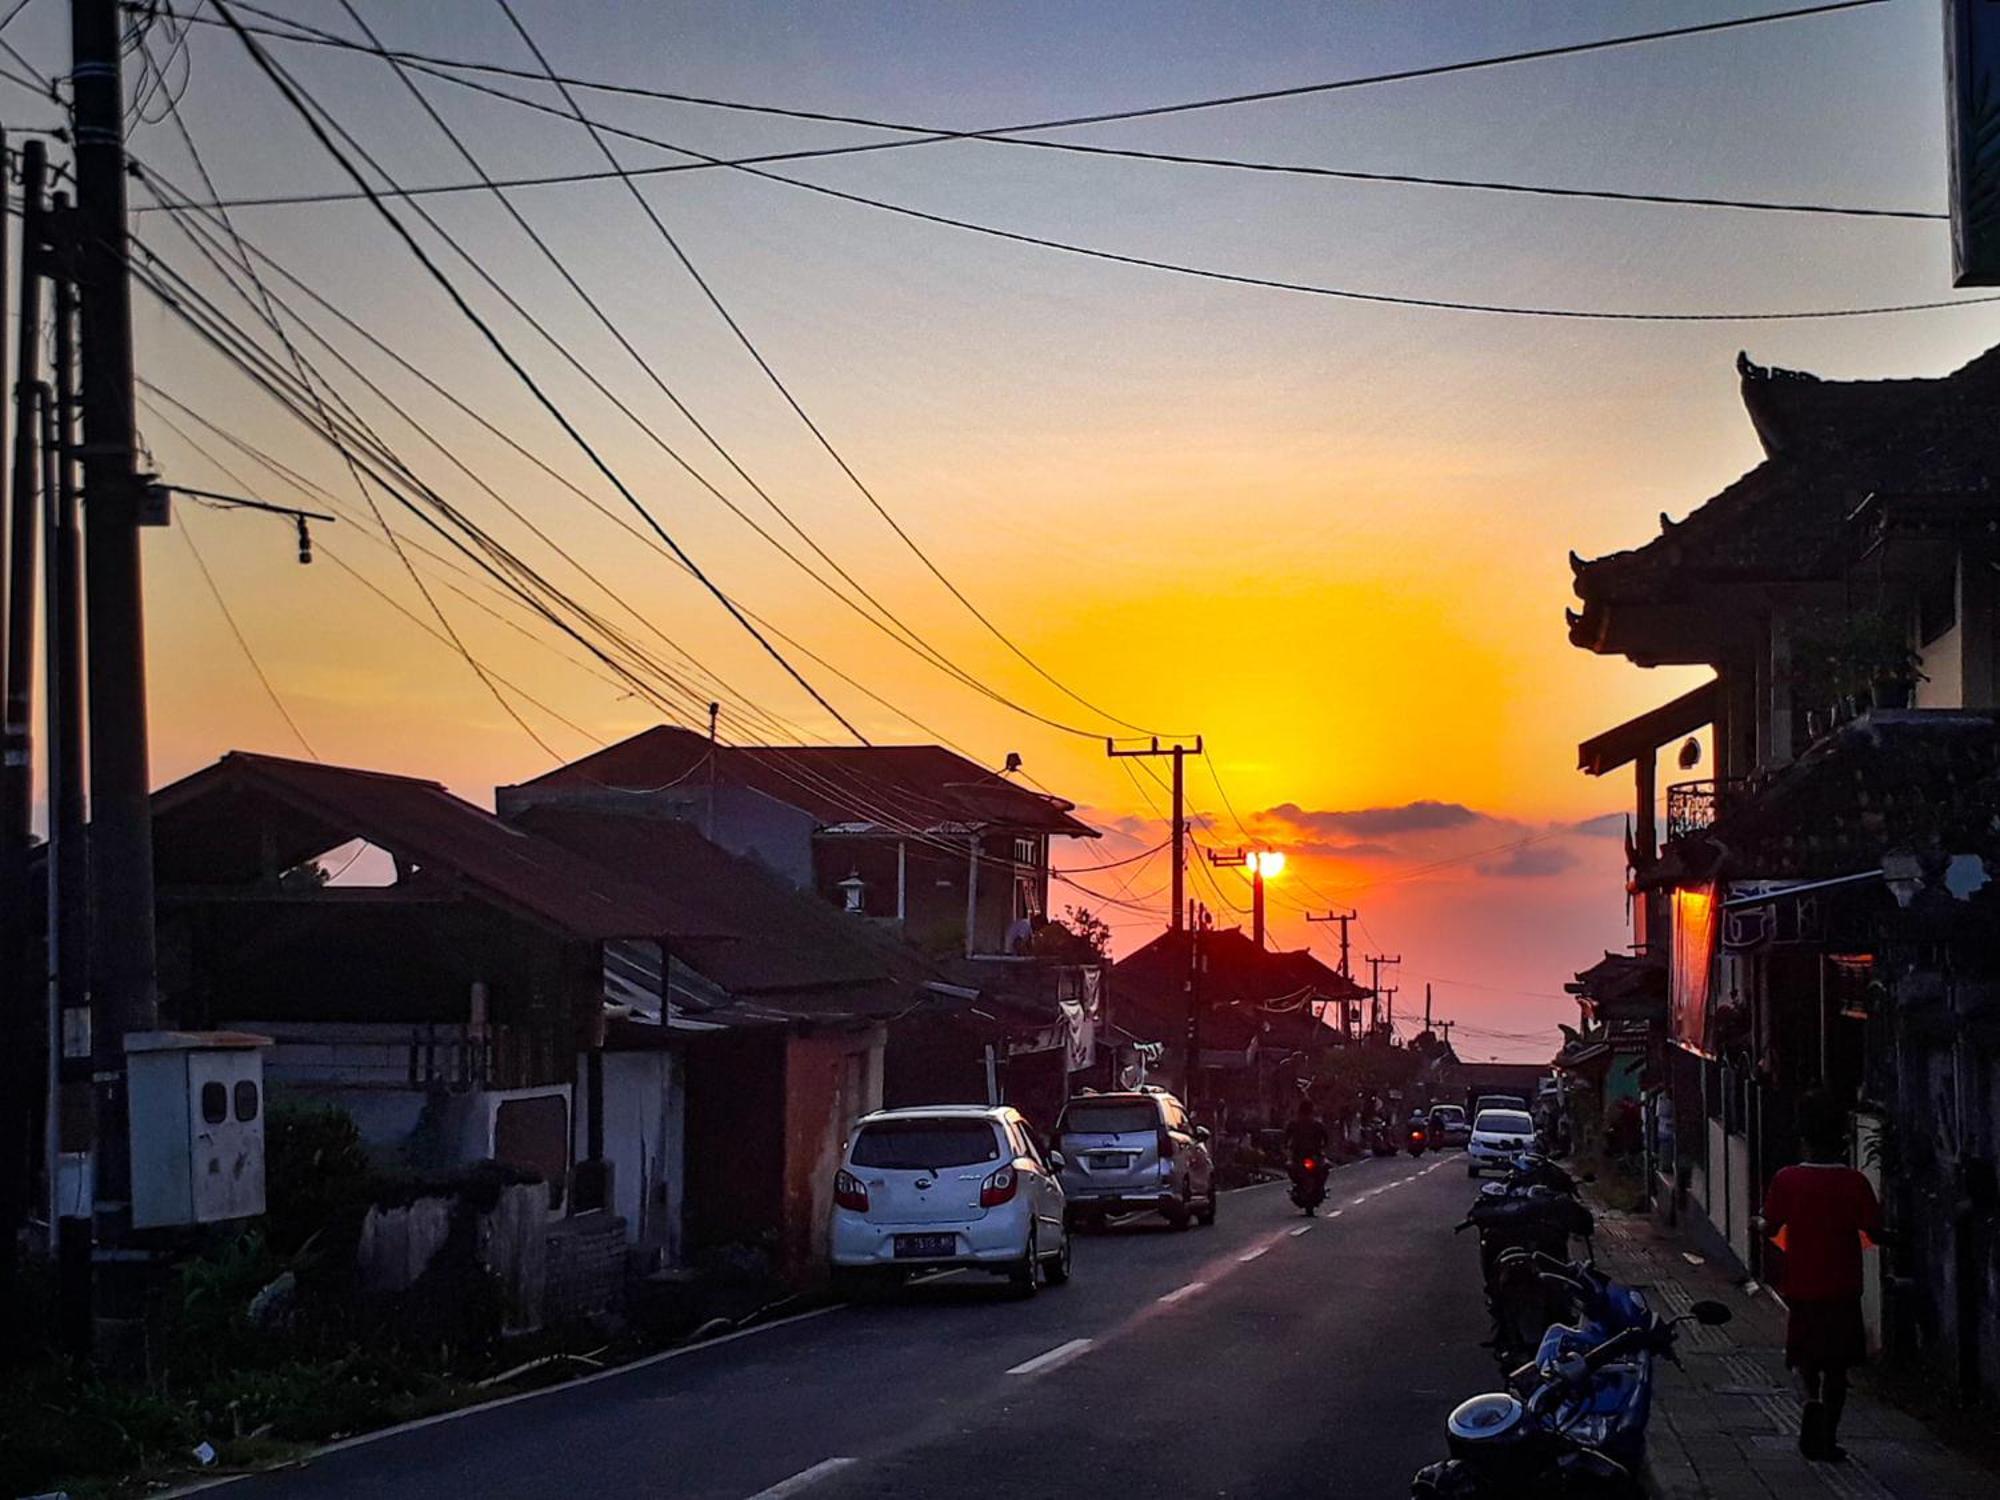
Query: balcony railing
point(1693, 806)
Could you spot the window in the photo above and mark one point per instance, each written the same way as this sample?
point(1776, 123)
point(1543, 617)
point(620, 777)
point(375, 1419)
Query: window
point(214, 1103)
point(246, 1101)
point(1111, 1117)
point(1027, 852)
point(912, 1145)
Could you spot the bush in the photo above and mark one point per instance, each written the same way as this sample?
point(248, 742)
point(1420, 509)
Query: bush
point(316, 1173)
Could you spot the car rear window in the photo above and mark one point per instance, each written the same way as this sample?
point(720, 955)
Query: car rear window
point(914, 1144)
point(1130, 1118)
point(1449, 1112)
point(1505, 1122)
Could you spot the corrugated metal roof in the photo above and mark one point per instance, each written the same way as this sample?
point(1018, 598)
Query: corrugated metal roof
point(901, 787)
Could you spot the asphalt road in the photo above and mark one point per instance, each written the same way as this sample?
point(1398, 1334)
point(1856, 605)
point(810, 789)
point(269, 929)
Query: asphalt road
point(1268, 1356)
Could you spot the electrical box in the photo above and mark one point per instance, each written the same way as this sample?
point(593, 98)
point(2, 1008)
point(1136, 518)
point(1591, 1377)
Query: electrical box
point(197, 1126)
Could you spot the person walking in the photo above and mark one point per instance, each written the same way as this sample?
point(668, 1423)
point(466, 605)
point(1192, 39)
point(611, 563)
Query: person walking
point(1821, 1214)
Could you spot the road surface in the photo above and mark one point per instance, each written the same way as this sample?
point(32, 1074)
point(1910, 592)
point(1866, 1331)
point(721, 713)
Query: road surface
point(1267, 1356)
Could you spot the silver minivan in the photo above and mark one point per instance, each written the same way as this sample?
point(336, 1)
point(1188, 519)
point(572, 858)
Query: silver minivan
point(1133, 1152)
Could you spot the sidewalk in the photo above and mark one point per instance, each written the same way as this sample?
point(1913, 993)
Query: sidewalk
point(1726, 1426)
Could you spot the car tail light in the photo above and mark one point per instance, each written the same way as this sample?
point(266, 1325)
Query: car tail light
point(999, 1188)
point(1166, 1144)
point(850, 1192)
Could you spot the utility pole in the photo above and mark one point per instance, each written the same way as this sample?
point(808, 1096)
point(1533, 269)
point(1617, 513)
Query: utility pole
point(1180, 753)
point(1197, 965)
point(1343, 918)
point(1375, 961)
point(1246, 859)
point(1427, 1005)
point(122, 968)
point(70, 1125)
point(17, 576)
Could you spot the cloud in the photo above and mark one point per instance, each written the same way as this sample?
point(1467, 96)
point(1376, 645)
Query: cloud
point(1609, 825)
point(1335, 849)
point(1531, 862)
point(1410, 817)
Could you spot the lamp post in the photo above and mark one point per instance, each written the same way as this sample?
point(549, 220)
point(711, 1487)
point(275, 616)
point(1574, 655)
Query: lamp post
point(1259, 862)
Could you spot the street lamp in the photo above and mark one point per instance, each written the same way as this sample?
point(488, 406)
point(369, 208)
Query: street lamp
point(1260, 863)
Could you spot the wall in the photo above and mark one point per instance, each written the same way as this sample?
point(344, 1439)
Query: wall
point(735, 1152)
point(830, 1082)
point(1944, 666)
point(643, 1142)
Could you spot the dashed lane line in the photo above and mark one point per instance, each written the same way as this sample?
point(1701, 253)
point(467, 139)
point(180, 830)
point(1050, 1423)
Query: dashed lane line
point(1252, 1253)
point(1183, 1291)
point(1302, 1229)
point(804, 1479)
point(1049, 1359)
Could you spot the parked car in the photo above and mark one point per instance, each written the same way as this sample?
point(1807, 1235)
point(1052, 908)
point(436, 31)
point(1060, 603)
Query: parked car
point(948, 1185)
point(1135, 1151)
point(1498, 1101)
point(1498, 1136)
point(1449, 1127)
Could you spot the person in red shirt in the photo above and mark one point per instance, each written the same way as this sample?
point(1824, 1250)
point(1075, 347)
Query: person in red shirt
point(1820, 1214)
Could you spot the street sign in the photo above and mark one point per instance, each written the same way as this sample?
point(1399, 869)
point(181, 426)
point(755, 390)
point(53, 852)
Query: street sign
point(1972, 91)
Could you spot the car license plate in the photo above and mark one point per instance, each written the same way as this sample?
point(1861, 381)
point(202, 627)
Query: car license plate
point(919, 1246)
point(1110, 1161)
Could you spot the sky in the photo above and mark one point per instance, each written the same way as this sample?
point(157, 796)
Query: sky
point(1329, 536)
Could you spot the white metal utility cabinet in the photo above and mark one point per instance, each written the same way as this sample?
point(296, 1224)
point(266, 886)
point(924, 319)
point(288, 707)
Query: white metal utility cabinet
point(197, 1112)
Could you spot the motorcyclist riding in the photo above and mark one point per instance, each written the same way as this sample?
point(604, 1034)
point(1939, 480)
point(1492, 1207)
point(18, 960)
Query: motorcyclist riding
point(1306, 1143)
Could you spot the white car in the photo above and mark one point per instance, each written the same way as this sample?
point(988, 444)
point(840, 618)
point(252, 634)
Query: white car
point(1498, 1136)
point(948, 1185)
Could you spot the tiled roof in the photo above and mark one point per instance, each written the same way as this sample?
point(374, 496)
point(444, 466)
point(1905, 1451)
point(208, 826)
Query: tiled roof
point(211, 828)
point(1923, 780)
point(1246, 991)
point(733, 921)
point(1624, 986)
point(912, 787)
point(1830, 445)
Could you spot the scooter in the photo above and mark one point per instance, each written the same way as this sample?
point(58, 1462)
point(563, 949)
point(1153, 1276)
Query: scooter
point(1420, 1139)
point(1535, 1218)
point(1543, 1305)
point(1309, 1175)
point(1580, 1431)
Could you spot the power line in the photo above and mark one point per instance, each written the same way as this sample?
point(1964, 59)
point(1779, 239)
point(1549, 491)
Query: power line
point(791, 400)
point(1013, 135)
point(243, 643)
point(291, 94)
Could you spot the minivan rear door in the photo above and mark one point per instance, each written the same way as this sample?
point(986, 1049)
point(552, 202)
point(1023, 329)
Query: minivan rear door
point(1112, 1143)
point(925, 1170)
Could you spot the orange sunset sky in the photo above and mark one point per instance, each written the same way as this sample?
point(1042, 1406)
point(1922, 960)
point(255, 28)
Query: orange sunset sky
point(1329, 536)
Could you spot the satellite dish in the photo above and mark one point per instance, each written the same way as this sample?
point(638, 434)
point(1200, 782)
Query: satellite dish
point(1690, 753)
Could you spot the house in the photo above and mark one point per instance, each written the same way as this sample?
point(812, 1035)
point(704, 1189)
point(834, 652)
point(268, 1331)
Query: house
point(1258, 1015)
point(942, 857)
point(672, 1037)
point(1821, 904)
point(956, 855)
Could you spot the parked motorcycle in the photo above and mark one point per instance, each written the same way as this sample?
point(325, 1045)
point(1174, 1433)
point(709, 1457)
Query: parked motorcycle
point(1579, 1432)
point(1541, 1305)
point(1533, 1218)
point(1309, 1175)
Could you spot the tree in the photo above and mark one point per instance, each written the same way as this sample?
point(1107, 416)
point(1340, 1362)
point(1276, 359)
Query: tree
point(1079, 936)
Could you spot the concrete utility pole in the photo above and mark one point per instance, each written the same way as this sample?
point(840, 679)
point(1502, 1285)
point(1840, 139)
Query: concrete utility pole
point(1375, 961)
point(18, 1013)
point(121, 863)
point(1180, 753)
point(1427, 1005)
point(1343, 918)
point(1251, 859)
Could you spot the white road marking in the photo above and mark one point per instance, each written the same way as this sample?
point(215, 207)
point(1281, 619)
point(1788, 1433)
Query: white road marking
point(1249, 1255)
point(1357, 1202)
point(1305, 1228)
point(1184, 1291)
point(1336, 1213)
point(1062, 1354)
point(804, 1479)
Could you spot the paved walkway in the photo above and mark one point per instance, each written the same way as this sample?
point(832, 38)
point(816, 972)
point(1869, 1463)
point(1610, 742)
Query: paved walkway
point(1726, 1426)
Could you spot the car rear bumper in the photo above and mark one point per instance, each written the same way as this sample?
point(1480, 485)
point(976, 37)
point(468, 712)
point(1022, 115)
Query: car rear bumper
point(995, 1240)
point(1122, 1200)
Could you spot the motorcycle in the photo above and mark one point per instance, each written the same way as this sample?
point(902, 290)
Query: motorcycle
point(1309, 1175)
point(1579, 1432)
point(1534, 1218)
point(1420, 1138)
point(1380, 1138)
point(1532, 1169)
point(1544, 1305)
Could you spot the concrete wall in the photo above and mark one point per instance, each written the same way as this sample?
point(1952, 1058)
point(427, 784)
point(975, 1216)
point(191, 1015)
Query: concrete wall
point(510, 1239)
point(830, 1082)
point(644, 1120)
